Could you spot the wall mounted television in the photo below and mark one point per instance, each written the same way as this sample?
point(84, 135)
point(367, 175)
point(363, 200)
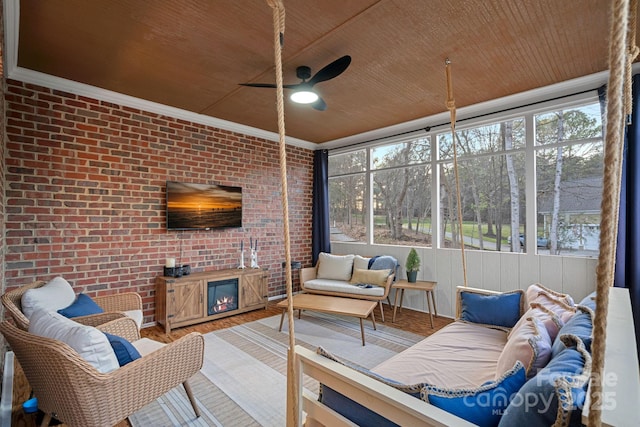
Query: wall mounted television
point(203, 206)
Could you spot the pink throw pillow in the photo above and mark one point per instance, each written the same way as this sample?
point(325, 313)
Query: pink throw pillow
point(548, 318)
point(530, 344)
point(535, 289)
point(555, 304)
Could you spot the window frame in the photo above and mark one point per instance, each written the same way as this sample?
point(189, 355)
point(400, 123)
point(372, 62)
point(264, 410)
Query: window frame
point(527, 113)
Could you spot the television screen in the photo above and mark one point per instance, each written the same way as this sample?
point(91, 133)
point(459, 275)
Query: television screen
point(203, 206)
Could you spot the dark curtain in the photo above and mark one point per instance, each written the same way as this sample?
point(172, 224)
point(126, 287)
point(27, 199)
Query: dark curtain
point(627, 274)
point(320, 237)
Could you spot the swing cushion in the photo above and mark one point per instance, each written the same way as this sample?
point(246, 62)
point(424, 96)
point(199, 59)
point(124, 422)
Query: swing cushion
point(356, 412)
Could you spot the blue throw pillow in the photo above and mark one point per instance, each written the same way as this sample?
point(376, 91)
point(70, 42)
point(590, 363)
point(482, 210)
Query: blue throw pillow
point(589, 301)
point(82, 306)
point(352, 410)
point(498, 310)
point(124, 350)
point(580, 325)
point(484, 405)
point(555, 396)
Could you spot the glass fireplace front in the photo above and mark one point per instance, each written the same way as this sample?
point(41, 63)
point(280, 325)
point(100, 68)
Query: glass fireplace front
point(222, 295)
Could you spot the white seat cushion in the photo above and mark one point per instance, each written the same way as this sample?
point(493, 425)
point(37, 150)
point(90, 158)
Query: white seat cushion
point(90, 343)
point(344, 287)
point(53, 296)
point(135, 315)
point(146, 346)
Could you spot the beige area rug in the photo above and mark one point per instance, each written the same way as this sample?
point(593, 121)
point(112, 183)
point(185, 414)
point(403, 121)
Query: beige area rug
point(243, 380)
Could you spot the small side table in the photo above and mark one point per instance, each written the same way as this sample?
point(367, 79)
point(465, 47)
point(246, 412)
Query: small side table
point(419, 285)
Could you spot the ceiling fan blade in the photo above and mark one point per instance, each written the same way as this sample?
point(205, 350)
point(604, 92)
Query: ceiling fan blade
point(258, 85)
point(330, 71)
point(269, 85)
point(319, 105)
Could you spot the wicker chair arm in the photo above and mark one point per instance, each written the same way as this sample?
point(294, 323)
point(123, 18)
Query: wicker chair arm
point(120, 302)
point(152, 376)
point(124, 327)
point(12, 301)
point(98, 319)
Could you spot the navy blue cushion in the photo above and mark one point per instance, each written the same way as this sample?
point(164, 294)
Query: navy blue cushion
point(352, 410)
point(566, 375)
point(580, 325)
point(499, 310)
point(82, 306)
point(484, 405)
point(124, 350)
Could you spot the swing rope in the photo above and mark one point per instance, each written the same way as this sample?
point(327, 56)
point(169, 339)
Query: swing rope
point(618, 93)
point(451, 106)
point(278, 42)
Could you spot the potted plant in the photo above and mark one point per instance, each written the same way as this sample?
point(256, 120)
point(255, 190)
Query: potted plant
point(412, 265)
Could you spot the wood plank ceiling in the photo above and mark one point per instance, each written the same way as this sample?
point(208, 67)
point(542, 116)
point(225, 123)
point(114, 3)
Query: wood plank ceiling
point(192, 54)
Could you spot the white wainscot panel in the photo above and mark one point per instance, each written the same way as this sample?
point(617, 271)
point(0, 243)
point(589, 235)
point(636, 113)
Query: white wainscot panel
point(491, 262)
point(445, 291)
point(529, 266)
point(510, 271)
point(578, 277)
point(474, 268)
point(551, 275)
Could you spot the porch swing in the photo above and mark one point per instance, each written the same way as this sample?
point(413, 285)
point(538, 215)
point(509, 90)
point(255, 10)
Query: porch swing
point(302, 361)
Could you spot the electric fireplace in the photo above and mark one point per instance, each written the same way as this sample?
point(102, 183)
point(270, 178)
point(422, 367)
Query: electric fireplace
point(222, 295)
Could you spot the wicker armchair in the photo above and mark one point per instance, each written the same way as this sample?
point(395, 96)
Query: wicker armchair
point(113, 305)
point(74, 392)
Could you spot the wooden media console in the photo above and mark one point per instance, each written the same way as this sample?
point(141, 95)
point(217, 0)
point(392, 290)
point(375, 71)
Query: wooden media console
point(209, 295)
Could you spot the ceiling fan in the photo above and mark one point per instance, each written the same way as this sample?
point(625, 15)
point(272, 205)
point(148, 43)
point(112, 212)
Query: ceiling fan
point(303, 91)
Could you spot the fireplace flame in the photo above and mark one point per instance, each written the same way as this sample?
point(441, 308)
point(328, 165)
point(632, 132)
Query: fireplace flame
point(223, 304)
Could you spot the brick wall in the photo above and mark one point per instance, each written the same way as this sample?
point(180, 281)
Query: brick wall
point(85, 194)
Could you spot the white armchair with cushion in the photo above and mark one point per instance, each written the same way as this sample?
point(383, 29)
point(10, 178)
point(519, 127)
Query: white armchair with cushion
point(57, 294)
point(87, 376)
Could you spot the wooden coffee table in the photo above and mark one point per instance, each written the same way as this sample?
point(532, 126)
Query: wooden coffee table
point(332, 305)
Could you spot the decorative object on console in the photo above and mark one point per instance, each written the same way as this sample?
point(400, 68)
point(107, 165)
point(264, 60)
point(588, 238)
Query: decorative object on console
point(241, 265)
point(412, 265)
point(179, 271)
point(254, 253)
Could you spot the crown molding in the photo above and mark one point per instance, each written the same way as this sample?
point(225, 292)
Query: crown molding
point(554, 91)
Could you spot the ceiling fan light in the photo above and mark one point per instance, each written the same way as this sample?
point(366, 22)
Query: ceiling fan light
point(304, 97)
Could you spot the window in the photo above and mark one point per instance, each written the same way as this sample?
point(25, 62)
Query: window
point(537, 174)
point(569, 170)
point(491, 174)
point(347, 205)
